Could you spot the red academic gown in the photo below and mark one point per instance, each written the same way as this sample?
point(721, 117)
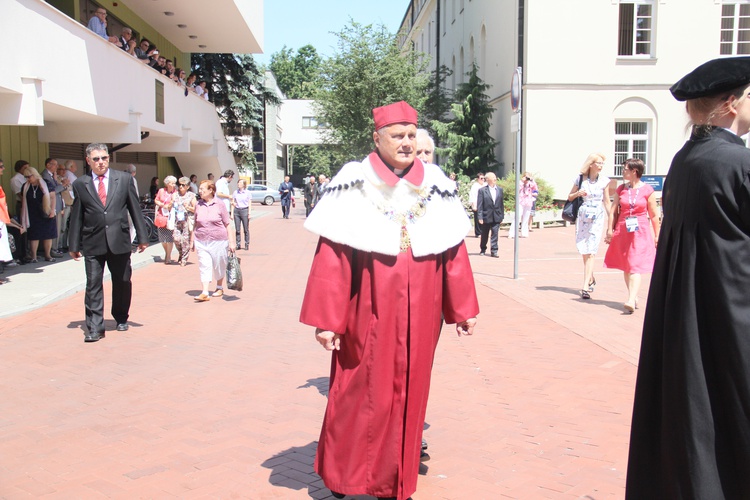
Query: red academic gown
point(388, 309)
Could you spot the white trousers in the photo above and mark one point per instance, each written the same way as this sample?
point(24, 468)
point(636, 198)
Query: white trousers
point(525, 212)
point(212, 259)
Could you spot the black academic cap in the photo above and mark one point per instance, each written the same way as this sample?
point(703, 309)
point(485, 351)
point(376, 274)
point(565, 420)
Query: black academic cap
point(713, 77)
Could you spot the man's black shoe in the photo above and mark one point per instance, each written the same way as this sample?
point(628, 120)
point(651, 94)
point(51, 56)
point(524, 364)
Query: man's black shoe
point(337, 495)
point(122, 327)
point(424, 456)
point(93, 337)
point(424, 444)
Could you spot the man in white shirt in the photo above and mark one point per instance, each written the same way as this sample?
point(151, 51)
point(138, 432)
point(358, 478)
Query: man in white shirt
point(473, 191)
point(222, 188)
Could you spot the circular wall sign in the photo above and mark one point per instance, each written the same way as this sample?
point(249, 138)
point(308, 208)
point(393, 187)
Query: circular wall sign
point(515, 90)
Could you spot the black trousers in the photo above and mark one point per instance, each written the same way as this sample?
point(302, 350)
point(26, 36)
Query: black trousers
point(487, 228)
point(122, 288)
point(477, 225)
point(285, 207)
point(240, 217)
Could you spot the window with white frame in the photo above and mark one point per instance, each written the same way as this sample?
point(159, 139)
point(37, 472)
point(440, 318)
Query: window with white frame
point(636, 29)
point(735, 28)
point(309, 122)
point(631, 141)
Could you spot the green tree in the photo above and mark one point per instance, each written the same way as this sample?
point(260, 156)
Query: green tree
point(439, 99)
point(237, 88)
point(469, 146)
point(296, 74)
point(368, 70)
point(316, 159)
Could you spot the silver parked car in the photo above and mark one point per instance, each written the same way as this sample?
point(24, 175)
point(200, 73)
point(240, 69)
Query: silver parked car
point(264, 194)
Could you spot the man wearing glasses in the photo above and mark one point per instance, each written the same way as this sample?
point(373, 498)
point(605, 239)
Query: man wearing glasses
point(102, 203)
point(473, 193)
point(142, 52)
point(98, 24)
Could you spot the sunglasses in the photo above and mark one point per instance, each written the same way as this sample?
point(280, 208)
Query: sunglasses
point(184, 185)
point(96, 159)
point(28, 176)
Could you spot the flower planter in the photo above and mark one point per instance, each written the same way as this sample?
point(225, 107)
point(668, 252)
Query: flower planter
point(540, 218)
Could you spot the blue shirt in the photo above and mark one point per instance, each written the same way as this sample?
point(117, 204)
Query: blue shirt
point(97, 26)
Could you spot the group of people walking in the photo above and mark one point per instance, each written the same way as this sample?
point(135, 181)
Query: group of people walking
point(202, 224)
point(631, 224)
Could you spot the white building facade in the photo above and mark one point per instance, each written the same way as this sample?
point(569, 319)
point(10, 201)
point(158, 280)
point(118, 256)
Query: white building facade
point(596, 73)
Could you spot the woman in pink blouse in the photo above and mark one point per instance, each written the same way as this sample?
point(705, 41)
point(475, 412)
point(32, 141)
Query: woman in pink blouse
point(527, 194)
point(212, 238)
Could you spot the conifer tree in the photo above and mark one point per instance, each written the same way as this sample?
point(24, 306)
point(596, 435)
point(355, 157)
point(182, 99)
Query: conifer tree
point(236, 87)
point(469, 147)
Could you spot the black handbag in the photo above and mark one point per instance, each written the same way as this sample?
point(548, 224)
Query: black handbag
point(234, 273)
point(570, 210)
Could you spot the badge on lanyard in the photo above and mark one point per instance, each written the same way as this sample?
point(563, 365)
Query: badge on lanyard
point(631, 224)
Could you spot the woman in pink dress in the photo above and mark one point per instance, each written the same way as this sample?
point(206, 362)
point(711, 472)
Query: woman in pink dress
point(632, 240)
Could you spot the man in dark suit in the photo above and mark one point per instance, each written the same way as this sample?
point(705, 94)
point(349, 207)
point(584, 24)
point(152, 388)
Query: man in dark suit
point(490, 212)
point(286, 189)
point(99, 230)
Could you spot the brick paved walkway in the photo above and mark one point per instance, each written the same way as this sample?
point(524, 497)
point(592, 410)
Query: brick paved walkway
point(224, 399)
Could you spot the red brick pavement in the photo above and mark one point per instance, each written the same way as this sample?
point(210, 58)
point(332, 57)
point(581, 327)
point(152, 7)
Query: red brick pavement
point(224, 399)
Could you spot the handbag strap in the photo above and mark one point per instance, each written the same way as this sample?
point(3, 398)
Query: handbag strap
point(580, 181)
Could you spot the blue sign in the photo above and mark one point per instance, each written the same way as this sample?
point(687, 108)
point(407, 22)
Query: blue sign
point(655, 181)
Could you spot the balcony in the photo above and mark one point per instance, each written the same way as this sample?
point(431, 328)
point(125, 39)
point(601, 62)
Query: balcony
point(76, 87)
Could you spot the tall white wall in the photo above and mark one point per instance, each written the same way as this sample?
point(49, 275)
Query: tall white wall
point(574, 84)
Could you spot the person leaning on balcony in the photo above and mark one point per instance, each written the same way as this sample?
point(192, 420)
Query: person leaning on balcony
point(98, 24)
point(170, 70)
point(127, 42)
point(142, 51)
point(160, 64)
point(690, 436)
point(179, 76)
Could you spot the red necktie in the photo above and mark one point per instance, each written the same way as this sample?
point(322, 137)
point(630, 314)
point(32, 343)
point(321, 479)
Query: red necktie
point(102, 192)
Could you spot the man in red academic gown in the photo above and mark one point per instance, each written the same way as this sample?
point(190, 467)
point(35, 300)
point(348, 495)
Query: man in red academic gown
point(390, 262)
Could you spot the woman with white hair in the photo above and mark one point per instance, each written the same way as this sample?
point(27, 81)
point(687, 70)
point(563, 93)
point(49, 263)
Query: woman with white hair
point(38, 214)
point(164, 203)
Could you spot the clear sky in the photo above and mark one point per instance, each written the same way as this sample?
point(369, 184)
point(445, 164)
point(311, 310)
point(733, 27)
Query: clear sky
point(296, 23)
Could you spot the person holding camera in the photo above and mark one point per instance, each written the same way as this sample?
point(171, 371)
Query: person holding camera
point(527, 194)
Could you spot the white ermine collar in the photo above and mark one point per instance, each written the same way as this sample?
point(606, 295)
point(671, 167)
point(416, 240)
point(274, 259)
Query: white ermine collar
point(363, 211)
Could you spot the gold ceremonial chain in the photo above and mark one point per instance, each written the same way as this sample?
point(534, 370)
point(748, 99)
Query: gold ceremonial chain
point(411, 215)
point(408, 216)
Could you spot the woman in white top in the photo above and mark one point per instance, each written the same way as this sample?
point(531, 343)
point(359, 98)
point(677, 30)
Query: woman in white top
point(593, 187)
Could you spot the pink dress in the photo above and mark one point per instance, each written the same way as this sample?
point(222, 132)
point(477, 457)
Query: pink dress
point(632, 252)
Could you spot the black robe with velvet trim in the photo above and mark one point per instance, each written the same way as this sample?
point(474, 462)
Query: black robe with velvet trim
point(690, 437)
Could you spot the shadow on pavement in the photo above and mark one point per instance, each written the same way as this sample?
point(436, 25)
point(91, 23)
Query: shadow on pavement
point(320, 383)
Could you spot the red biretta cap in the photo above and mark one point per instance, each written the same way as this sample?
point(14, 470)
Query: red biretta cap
point(398, 112)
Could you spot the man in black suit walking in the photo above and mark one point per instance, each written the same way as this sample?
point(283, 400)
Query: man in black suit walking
point(490, 212)
point(99, 230)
